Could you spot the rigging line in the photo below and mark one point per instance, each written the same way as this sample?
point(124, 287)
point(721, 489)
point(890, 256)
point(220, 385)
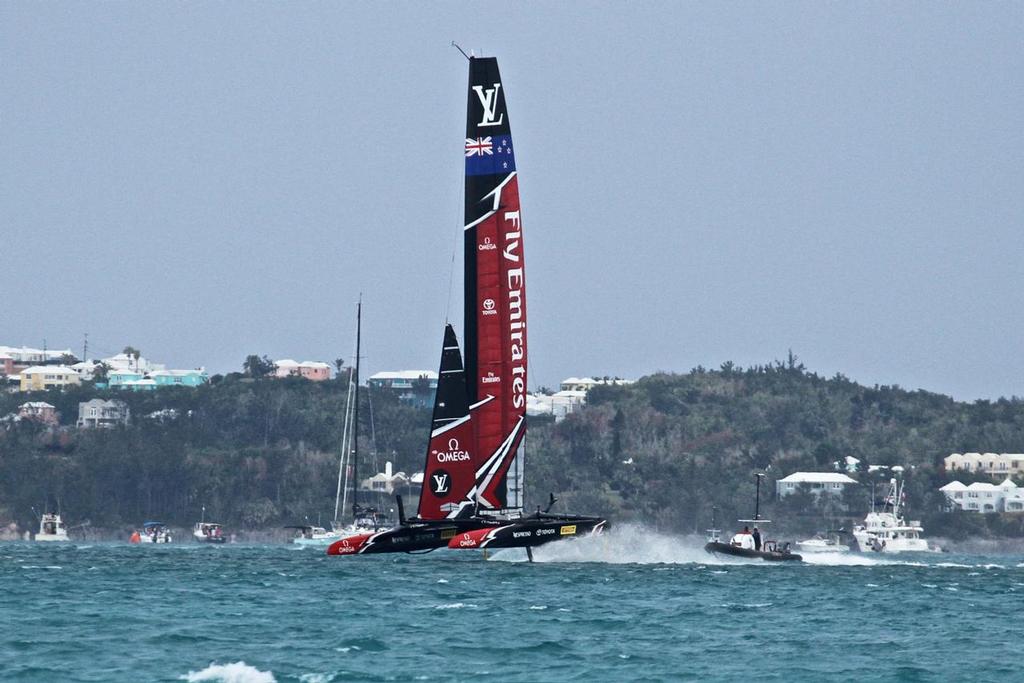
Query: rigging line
point(373, 443)
point(451, 283)
point(342, 493)
point(456, 46)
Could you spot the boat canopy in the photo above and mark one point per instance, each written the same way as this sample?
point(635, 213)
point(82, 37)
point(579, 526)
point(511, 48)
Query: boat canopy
point(147, 525)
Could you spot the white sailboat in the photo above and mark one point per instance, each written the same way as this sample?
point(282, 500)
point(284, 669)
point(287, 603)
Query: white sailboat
point(364, 519)
point(887, 531)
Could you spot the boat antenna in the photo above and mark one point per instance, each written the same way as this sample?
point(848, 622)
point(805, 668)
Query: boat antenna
point(757, 503)
point(757, 498)
point(456, 46)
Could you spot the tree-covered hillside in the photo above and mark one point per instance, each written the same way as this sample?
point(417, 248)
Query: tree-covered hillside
point(255, 452)
point(259, 452)
point(668, 448)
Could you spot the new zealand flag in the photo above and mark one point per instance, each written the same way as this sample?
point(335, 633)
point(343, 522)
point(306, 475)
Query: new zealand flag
point(489, 155)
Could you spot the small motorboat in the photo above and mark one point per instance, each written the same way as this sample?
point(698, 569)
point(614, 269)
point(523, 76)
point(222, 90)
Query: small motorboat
point(747, 544)
point(828, 542)
point(152, 532)
point(209, 532)
point(306, 534)
point(51, 528)
point(742, 545)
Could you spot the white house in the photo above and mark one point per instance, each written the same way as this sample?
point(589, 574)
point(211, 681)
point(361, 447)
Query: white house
point(24, 355)
point(386, 481)
point(559, 404)
point(100, 413)
point(1000, 464)
point(832, 483)
point(585, 384)
point(123, 361)
point(984, 497)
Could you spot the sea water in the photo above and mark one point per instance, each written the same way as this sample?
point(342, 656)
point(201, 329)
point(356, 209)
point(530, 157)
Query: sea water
point(633, 606)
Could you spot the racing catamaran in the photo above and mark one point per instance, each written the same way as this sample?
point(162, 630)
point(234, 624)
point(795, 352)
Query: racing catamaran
point(472, 495)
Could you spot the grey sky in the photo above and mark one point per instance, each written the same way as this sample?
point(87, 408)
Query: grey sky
point(700, 182)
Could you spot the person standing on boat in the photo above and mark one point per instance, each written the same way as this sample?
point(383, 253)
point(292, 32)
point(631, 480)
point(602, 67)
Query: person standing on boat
point(757, 539)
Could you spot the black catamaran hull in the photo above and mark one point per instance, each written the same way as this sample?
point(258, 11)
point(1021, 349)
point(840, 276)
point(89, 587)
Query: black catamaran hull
point(719, 548)
point(529, 533)
point(408, 538)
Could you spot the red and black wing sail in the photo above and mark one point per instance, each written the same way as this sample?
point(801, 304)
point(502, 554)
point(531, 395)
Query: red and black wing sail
point(450, 472)
point(495, 291)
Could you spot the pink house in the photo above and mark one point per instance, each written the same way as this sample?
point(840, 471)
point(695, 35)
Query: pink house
point(38, 411)
point(6, 365)
point(311, 370)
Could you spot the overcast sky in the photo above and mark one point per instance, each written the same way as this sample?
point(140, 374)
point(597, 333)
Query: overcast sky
point(700, 182)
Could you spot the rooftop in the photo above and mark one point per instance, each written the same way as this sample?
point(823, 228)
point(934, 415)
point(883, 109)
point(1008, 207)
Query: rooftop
point(818, 478)
point(404, 374)
point(48, 370)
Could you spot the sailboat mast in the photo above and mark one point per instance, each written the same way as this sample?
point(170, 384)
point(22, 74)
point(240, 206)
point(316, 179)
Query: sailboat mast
point(355, 416)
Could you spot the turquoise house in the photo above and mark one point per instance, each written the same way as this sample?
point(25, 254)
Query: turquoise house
point(179, 378)
point(122, 378)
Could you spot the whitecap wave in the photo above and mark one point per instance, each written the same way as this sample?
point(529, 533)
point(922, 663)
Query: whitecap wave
point(236, 672)
point(845, 559)
point(456, 605)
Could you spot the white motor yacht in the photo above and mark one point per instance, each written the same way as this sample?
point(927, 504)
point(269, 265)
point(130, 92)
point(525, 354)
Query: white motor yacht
point(887, 531)
point(51, 528)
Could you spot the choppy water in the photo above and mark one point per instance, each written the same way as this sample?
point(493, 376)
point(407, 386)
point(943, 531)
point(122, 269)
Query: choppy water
point(631, 606)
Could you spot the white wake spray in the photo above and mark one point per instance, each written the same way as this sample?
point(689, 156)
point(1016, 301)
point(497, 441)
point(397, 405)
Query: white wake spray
point(236, 672)
point(637, 544)
point(622, 544)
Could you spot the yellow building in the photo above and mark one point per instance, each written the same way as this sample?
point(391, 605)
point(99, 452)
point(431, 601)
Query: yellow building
point(41, 377)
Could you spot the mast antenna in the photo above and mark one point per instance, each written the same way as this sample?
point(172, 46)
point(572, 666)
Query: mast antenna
point(456, 46)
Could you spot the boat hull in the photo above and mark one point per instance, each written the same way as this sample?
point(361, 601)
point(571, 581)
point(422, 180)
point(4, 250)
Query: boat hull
point(528, 533)
point(818, 548)
point(407, 538)
point(869, 542)
point(52, 538)
point(211, 539)
point(719, 548)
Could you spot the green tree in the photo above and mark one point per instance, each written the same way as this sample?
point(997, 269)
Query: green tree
point(257, 367)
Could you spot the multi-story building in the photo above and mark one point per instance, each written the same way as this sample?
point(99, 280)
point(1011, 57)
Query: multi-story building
point(985, 497)
point(27, 356)
point(416, 387)
point(42, 377)
point(314, 370)
point(818, 483)
point(179, 378)
point(558, 405)
point(38, 411)
point(997, 464)
point(124, 361)
point(101, 413)
point(123, 377)
point(585, 384)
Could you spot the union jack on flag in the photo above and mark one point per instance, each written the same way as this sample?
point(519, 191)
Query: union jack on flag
point(478, 147)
